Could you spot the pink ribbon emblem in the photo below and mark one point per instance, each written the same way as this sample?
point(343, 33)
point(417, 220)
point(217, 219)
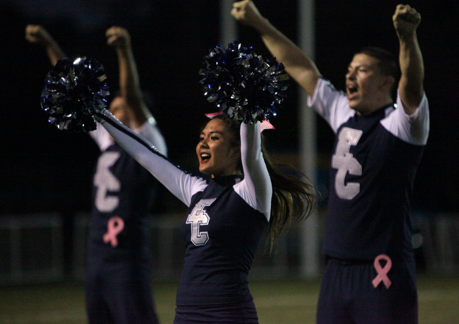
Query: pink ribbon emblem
point(114, 226)
point(382, 272)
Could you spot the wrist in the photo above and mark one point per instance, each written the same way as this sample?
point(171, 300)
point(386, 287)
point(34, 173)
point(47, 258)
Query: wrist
point(406, 36)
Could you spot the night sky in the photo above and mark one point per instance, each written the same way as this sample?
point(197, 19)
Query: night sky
point(44, 169)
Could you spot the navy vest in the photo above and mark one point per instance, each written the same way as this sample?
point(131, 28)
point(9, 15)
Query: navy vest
point(222, 233)
point(371, 180)
point(122, 188)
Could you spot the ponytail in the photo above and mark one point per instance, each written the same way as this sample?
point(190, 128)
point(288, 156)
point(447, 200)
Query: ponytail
point(292, 202)
point(293, 197)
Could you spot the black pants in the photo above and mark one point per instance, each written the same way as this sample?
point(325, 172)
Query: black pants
point(119, 292)
point(241, 313)
point(348, 296)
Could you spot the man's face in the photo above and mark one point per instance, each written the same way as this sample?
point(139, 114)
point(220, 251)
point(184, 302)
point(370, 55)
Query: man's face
point(367, 90)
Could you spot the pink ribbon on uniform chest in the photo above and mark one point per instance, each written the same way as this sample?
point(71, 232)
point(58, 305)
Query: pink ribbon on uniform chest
point(114, 226)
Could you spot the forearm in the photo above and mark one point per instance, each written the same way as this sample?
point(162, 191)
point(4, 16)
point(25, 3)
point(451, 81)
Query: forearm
point(55, 53)
point(406, 21)
point(256, 175)
point(251, 146)
point(153, 135)
point(297, 64)
point(130, 85)
point(411, 65)
point(37, 34)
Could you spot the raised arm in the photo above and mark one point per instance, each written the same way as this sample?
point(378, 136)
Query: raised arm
point(179, 183)
point(257, 182)
point(297, 64)
point(406, 21)
point(37, 34)
point(120, 39)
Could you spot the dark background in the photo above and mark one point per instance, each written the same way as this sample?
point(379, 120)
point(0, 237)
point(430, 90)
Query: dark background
point(47, 170)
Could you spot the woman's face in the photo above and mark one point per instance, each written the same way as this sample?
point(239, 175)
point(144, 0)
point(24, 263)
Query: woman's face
point(216, 154)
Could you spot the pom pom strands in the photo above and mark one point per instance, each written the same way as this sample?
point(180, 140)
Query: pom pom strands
point(74, 91)
point(243, 84)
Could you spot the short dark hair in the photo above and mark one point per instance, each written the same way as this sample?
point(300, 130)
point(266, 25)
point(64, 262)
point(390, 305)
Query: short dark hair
point(387, 62)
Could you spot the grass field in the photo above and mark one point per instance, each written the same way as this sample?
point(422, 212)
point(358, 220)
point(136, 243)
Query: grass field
point(277, 302)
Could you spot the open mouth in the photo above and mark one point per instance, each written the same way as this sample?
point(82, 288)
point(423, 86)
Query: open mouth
point(205, 157)
point(351, 91)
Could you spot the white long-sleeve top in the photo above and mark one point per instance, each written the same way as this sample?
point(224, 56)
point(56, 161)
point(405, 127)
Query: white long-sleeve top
point(255, 189)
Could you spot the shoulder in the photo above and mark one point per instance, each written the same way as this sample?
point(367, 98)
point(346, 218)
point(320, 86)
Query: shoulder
point(414, 128)
point(331, 104)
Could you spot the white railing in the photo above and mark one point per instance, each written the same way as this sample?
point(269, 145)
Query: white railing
point(31, 248)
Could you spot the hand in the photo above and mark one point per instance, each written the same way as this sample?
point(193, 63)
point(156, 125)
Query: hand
point(246, 12)
point(118, 37)
point(406, 20)
point(37, 34)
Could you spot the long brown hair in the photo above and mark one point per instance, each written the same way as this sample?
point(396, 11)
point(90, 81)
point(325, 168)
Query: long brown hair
point(293, 196)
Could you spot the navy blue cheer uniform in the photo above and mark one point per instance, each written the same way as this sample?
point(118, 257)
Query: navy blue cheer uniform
point(118, 264)
point(374, 163)
point(222, 228)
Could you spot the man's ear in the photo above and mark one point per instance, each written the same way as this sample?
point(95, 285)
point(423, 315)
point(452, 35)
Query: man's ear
point(388, 82)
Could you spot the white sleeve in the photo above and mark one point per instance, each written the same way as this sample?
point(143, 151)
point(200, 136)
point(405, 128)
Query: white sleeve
point(331, 104)
point(148, 131)
point(413, 129)
point(101, 137)
point(178, 182)
point(152, 134)
point(256, 188)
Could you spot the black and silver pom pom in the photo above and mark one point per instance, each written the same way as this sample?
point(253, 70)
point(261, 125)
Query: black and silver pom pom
point(75, 89)
point(242, 84)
